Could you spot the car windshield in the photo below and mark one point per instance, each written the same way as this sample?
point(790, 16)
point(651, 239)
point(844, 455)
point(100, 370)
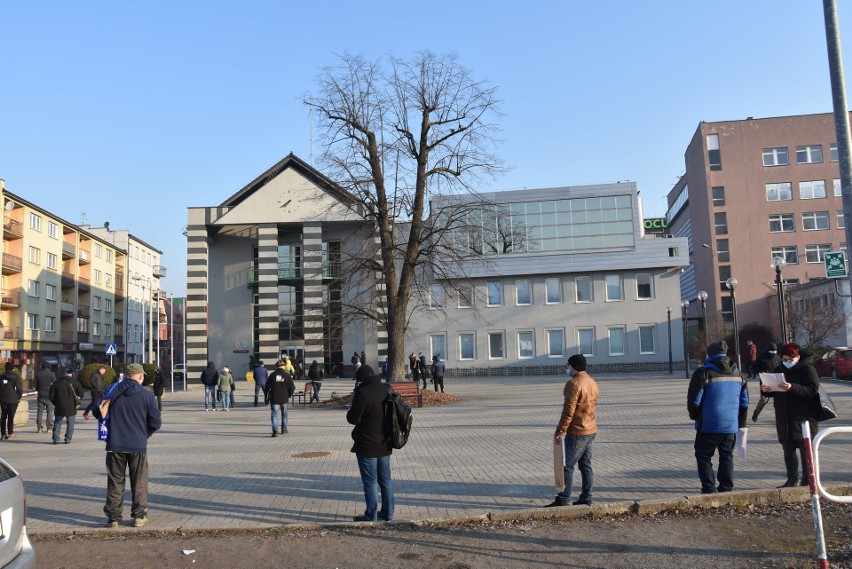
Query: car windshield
point(847, 354)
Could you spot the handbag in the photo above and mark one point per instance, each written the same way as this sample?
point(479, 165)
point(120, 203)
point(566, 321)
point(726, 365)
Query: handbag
point(826, 406)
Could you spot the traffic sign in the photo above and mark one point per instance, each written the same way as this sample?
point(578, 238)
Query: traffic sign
point(835, 265)
point(111, 350)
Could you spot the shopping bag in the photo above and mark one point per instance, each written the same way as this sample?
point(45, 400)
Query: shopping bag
point(559, 465)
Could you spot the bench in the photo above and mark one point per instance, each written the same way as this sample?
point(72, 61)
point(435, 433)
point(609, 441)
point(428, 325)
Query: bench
point(408, 389)
point(304, 396)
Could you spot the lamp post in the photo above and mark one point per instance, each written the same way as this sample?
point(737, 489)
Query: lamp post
point(172, 340)
point(684, 304)
point(145, 283)
point(732, 283)
point(778, 263)
point(702, 296)
point(669, 319)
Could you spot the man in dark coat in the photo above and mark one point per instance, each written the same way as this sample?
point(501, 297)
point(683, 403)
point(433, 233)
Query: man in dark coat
point(44, 379)
point(210, 379)
point(768, 362)
point(96, 387)
point(260, 377)
point(438, 370)
point(421, 368)
point(371, 445)
point(64, 394)
point(279, 390)
point(159, 388)
point(10, 394)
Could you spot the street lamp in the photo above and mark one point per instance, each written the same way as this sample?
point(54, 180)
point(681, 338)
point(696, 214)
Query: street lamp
point(702, 296)
point(146, 283)
point(669, 318)
point(732, 283)
point(684, 304)
point(778, 263)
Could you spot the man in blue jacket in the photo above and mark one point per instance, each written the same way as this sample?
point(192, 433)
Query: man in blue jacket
point(260, 377)
point(717, 401)
point(133, 416)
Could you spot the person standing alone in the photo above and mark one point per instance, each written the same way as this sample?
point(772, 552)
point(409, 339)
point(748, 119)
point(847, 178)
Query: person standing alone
point(279, 390)
point(65, 396)
point(10, 394)
point(260, 377)
point(96, 387)
point(44, 379)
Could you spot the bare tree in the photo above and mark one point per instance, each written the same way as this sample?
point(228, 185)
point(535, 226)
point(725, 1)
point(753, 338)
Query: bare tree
point(813, 318)
point(396, 133)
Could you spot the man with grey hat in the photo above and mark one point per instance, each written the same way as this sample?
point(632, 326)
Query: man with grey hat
point(717, 400)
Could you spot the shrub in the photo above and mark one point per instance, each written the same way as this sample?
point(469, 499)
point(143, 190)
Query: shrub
point(86, 374)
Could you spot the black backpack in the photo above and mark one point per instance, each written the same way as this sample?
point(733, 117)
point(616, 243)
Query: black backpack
point(398, 420)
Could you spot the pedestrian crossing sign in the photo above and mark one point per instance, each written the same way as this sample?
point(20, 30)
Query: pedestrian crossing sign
point(111, 350)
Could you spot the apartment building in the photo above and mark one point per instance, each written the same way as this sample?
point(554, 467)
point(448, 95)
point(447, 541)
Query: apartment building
point(753, 190)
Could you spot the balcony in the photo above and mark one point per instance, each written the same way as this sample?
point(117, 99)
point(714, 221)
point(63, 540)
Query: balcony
point(289, 271)
point(67, 281)
point(11, 264)
point(67, 336)
point(85, 256)
point(159, 271)
point(10, 298)
point(82, 336)
point(10, 333)
point(66, 309)
point(69, 251)
point(83, 284)
point(119, 340)
point(332, 270)
point(119, 283)
point(83, 311)
point(13, 229)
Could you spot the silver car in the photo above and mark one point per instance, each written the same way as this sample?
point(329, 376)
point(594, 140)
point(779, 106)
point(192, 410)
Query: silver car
point(16, 551)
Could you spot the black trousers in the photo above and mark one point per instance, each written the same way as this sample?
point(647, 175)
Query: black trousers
point(95, 396)
point(117, 463)
point(7, 418)
point(438, 381)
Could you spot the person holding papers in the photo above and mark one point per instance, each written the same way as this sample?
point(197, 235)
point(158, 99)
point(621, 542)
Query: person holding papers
point(796, 401)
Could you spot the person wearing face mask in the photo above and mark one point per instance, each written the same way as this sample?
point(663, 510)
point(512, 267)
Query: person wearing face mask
point(797, 402)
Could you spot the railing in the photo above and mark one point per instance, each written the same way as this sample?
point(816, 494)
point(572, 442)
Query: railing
point(83, 284)
point(289, 270)
point(10, 297)
point(82, 336)
point(83, 310)
point(12, 262)
point(10, 333)
point(66, 308)
point(85, 256)
point(159, 271)
point(13, 227)
point(68, 250)
point(67, 280)
point(332, 269)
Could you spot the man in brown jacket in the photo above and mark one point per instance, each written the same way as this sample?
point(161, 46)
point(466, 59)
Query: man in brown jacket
point(576, 431)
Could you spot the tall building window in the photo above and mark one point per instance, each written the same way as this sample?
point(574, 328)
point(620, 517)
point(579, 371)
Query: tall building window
point(790, 254)
point(523, 292)
point(586, 341)
point(107, 330)
point(495, 293)
point(467, 341)
point(838, 192)
point(32, 321)
point(465, 291)
point(613, 288)
point(52, 230)
point(50, 323)
point(815, 221)
point(436, 297)
point(779, 192)
point(32, 289)
point(584, 289)
point(35, 222)
point(812, 189)
point(724, 275)
point(526, 345)
point(776, 156)
point(107, 305)
point(781, 223)
point(644, 286)
point(816, 253)
point(35, 254)
point(714, 154)
point(718, 196)
point(832, 148)
point(50, 292)
point(646, 340)
point(723, 253)
point(438, 345)
point(616, 341)
point(96, 303)
point(553, 291)
point(721, 221)
point(96, 328)
point(841, 221)
point(97, 275)
point(97, 250)
point(51, 261)
point(496, 345)
point(809, 154)
point(555, 343)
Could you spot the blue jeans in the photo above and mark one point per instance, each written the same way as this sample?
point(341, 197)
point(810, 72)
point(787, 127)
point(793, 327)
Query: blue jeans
point(258, 389)
point(578, 452)
point(706, 444)
point(226, 399)
point(275, 408)
point(210, 393)
point(377, 472)
point(57, 428)
point(315, 387)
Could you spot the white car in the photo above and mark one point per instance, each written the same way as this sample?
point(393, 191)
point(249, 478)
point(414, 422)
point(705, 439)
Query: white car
point(16, 551)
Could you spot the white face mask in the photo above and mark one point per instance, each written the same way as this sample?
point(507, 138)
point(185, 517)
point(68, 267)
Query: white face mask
point(568, 372)
point(788, 365)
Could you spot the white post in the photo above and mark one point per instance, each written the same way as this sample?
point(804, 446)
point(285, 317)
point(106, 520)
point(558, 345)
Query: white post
point(172, 340)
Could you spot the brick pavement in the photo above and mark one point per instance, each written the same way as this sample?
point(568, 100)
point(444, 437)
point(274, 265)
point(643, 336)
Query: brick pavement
point(489, 453)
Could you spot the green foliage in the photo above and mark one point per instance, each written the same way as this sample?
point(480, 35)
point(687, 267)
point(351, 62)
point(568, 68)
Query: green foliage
point(150, 374)
point(86, 374)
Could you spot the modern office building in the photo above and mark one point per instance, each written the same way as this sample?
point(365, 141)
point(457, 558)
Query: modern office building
point(574, 272)
point(753, 190)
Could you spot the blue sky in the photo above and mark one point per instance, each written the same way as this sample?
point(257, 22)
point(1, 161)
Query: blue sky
point(132, 112)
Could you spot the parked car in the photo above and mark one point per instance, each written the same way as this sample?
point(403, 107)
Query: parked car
point(16, 551)
point(836, 363)
point(179, 370)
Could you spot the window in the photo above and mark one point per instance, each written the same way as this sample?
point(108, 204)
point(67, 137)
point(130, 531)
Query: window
point(815, 220)
point(526, 345)
point(50, 323)
point(841, 221)
point(109, 255)
point(718, 196)
point(51, 261)
point(50, 292)
point(584, 289)
point(108, 281)
point(108, 330)
point(586, 341)
point(832, 149)
point(465, 291)
point(812, 190)
point(495, 293)
point(809, 154)
point(97, 275)
point(714, 156)
point(32, 289)
point(467, 341)
point(644, 286)
point(555, 343)
point(108, 305)
point(775, 156)
point(781, 223)
point(816, 253)
point(723, 253)
point(779, 192)
point(32, 321)
point(646, 340)
point(616, 341)
point(553, 289)
point(724, 275)
point(52, 230)
point(613, 288)
point(96, 328)
point(789, 254)
point(438, 345)
point(436, 297)
point(496, 345)
point(838, 192)
point(96, 303)
point(98, 250)
point(721, 221)
point(523, 292)
point(35, 254)
point(35, 222)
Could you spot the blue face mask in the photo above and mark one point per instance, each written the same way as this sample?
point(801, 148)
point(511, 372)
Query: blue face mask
point(788, 365)
point(568, 372)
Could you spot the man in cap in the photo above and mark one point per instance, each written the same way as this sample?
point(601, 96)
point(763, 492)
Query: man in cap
point(576, 431)
point(717, 401)
point(65, 396)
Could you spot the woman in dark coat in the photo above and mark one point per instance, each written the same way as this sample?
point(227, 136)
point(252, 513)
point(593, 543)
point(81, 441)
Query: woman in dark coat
point(159, 388)
point(797, 402)
point(10, 395)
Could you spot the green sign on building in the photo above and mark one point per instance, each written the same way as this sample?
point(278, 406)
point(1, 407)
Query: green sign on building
point(835, 265)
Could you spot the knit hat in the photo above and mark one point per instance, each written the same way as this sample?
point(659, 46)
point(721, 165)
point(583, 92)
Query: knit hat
point(134, 369)
point(790, 350)
point(772, 347)
point(10, 366)
point(717, 348)
point(578, 362)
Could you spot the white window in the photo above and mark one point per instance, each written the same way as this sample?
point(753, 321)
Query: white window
point(32, 321)
point(35, 222)
point(467, 343)
point(495, 293)
point(50, 323)
point(586, 341)
point(646, 340)
point(52, 230)
point(613, 288)
point(496, 345)
point(50, 292)
point(523, 292)
point(108, 330)
point(555, 343)
point(841, 221)
point(96, 328)
point(815, 220)
point(83, 325)
point(832, 148)
point(32, 289)
point(644, 286)
point(97, 275)
point(553, 290)
point(96, 303)
point(584, 289)
point(782, 223)
point(35, 254)
point(436, 297)
point(438, 345)
point(838, 192)
point(812, 190)
point(108, 281)
point(526, 344)
point(616, 341)
point(109, 255)
point(809, 154)
point(51, 261)
point(108, 305)
point(775, 156)
point(98, 250)
point(465, 295)
point(816, 253)
point(779, 192)
point(790, 254)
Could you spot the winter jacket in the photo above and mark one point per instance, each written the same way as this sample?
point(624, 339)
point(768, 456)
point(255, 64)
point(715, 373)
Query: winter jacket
point(159, 384)
point(133, 417)
point(768, 362)
point(96, 383)
point(438, 368)
point(260, 375)
point(64, 396)
point(579, 407)
point(280, 387)
point(226, 382)
point(43, 380)
point(314, 373)
point(11, 389)
point(210, 376)
point(368, 415)
point(801, 403)
point(717, 399)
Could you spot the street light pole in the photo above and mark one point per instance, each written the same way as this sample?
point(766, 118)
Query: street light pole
point(669, 319)
point(172, 340)
point(702, 296)
point(683, 306)
point(732, 283)
point(778, 264)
